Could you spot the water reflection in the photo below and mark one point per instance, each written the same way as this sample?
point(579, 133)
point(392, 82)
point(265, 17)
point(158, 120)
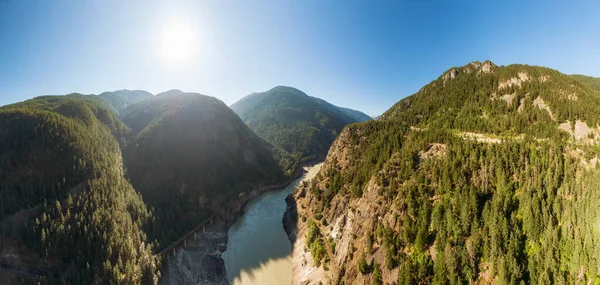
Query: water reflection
point(258, 249)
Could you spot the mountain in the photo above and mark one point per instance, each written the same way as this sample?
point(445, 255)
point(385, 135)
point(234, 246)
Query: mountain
point(592, 82)
point(488, 174)
point(356, 115)
point(120, 99)
point(65, 207)
point(190, 156)
point(297, 123)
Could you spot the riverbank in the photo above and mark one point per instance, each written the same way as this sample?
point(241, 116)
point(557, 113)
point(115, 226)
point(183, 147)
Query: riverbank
point(200, 262)
point(303, 271)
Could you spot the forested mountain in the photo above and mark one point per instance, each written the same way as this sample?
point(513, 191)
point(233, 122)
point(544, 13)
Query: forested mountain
point(189, 156)
point(488, 174)
point(288, 118)
point(356, 115)
point(593, 82)
point(120, 99)
point(65, 207)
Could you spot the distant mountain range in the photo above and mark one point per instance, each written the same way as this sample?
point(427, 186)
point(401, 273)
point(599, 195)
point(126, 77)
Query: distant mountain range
point(120, 99)
point(356, 115)
point(145, 169)
point(488, 174)
point(288, 118)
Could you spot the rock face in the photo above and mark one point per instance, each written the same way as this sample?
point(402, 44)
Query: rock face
point(346, 221)
point(487, 66)
point(451, 74)
point(518, 81)
point(290, 218)
point(200, 262)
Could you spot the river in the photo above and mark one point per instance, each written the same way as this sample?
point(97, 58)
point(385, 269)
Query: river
point(258, 249)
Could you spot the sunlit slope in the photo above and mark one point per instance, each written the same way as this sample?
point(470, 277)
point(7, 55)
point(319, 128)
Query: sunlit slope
point(592, 82)
point(486, 175)
point(288, 118)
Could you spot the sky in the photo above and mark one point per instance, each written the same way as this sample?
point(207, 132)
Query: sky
point(365, 55)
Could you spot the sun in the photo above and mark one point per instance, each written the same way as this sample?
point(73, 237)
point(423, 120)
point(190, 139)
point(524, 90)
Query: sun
point(178, 43)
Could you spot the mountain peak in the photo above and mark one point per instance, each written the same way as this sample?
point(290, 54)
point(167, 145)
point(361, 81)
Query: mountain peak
point(485, 67)
point(311, 124)
point(474, 66)
point(170, 92)
point(286, 89)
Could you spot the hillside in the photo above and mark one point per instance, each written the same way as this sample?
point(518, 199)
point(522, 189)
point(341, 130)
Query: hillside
point(486, 175)
point(592, 82)
point(356, 115)
point(65, 207)
point(297, 123)
point(189, 155)
point(120, 99)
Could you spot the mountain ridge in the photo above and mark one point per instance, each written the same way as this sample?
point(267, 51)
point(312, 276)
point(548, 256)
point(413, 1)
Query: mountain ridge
point(447, 187)
point(288, 118)
point(57, 216)
point(119, 100)
point(189, 155)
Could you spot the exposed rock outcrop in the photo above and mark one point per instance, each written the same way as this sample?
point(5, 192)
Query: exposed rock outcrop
point(487, 66)
point(290, 218)
point(200, 262)
point(514, 81)
point(540, 103)
point(451, 74)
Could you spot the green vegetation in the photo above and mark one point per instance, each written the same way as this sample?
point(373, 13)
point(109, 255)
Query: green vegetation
point(592, 82)
point(314, 242)
point(51, 131)
point(301, 125)
point(377, 278)
point(466, 102)
point(522, 210)
point(189, 156)
point(120, 99)
point(358, 116)
point(363, 266)
point(63, 199)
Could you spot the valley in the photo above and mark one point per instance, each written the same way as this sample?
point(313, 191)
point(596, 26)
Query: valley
point(184, 160)
point(454, 184)
point(299, 142)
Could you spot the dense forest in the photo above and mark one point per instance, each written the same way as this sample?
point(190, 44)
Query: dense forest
point(488, 174)
point(461, 184)
point(358, 116)
point(301, 125)
point(65, 207)
point(120, 99)
point(592, 82)
point(189, 156)
point(88, 196)
point(81, 220)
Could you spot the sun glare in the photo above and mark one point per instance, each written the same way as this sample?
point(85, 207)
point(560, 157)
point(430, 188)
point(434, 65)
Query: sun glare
point(178, 42)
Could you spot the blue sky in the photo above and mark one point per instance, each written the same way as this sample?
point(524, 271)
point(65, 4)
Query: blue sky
point(365, 55)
